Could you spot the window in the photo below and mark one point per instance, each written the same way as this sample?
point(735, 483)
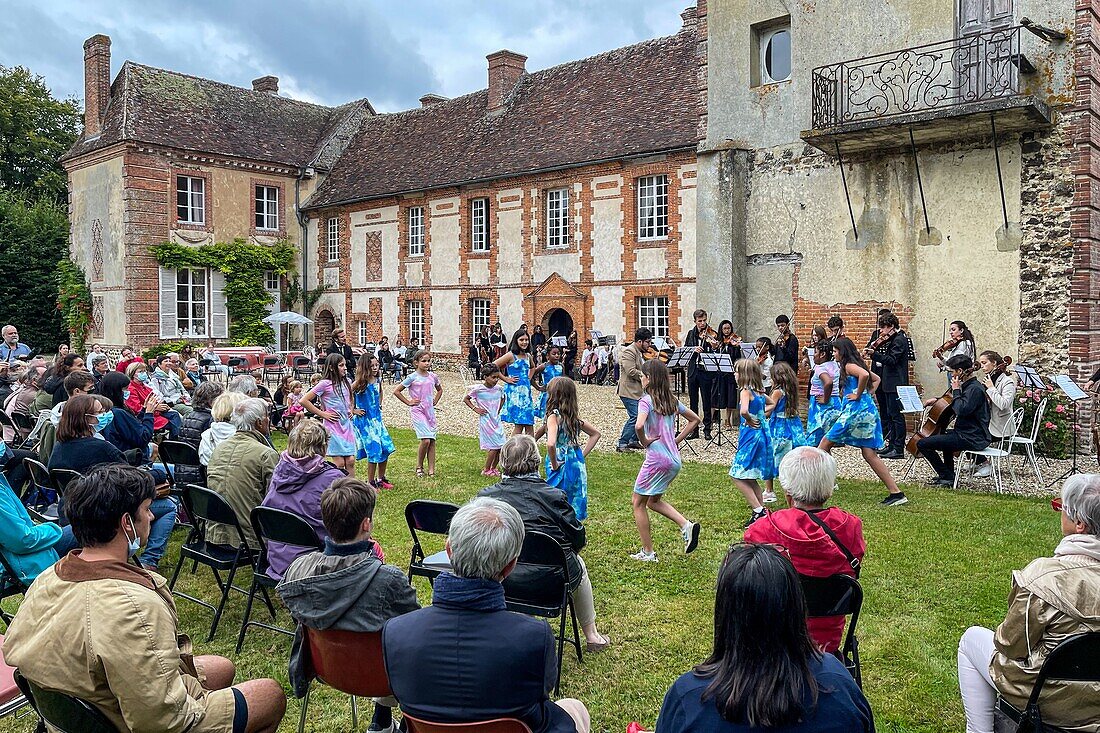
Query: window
point(653, 207)
point(191, 302)
point(415, 309)
point(557, 217)
point(271, 280)
point(480, 308)
point(653, 314)
point(362, 332)
point(479, 225)
point(267, 207)
point(416, 231)
point(190, 200)
point(332, 239)
point(775, 54)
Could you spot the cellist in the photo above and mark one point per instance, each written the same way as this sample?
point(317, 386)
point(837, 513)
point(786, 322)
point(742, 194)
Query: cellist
point(971, 431)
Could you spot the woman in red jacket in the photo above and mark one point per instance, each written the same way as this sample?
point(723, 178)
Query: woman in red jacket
point(808, 476)
point(164, 417)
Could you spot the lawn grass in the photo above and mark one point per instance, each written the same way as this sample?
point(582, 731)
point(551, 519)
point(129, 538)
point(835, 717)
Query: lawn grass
point(933, 568)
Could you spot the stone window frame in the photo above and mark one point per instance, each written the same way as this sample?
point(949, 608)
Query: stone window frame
point(655, 317)
point(565, 232)
point(486, 226)
point(659, 234)
point(280, 208)
point(332, 248)
point(416, 237)
point(762, 34)
point(415, 330)
point(208, 200)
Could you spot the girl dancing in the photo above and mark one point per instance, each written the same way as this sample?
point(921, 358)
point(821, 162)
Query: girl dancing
point(334, 393)
point(783, 419)
point(754, 459)
point(424, 393)
point(373, 441)
point(485, 399)
point(565, 466)
point(516, 364)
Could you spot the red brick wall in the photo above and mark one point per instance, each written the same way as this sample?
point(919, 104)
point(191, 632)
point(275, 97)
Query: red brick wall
point(146, 181)
point(1084, 317)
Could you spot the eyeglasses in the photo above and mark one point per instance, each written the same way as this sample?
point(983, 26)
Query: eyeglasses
point(1056, 504)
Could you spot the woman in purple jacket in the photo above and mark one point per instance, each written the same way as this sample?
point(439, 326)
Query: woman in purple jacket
point(300, 477)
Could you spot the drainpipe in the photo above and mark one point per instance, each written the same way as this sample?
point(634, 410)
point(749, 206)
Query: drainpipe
point(302, 221)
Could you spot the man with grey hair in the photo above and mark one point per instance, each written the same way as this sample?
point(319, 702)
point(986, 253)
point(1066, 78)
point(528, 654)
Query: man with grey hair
point(240, 469)
point(12, 348)
point(821, 541)
point(499, 664)
point(1052, 599)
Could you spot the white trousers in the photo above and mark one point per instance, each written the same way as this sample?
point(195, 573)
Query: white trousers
point(979, 695)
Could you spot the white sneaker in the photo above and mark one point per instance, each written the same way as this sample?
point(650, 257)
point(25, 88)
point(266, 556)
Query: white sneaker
point(769, 497)
point(984, 471)
point(690, 533)
point(645, 556)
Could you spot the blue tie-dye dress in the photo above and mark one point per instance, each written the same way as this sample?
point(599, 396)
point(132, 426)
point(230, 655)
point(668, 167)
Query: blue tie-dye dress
point(572, 473)
point(859, 424)
point(550, 371)
point(518, 409)
point(754, 458)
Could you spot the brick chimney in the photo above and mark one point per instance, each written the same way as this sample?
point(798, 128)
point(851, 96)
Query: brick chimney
point(505, 70)
point(266, 84)
point(97, 82)
point(429, 99)
point(690, 16)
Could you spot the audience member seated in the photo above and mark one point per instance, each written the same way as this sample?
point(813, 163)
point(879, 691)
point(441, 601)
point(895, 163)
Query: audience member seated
point(200, 419)
point(164, 417)
point(128, 430)
point(220, 428)
point(546, 509)
point(27, 547)
point(345, 587)
point(80, 444)
point(261, 390)
point(240, 470)
point(12, 348)
point(77, 383)
point(808, 476)
point(169, 385)
point(210, 353)
point(23, 394)
point(54, 384)
point(193, 372)
point(498, 664)
point(283, 392)
point(765, 672)
point(1051, 599)
point(126, 358)
point(103, 630)
point(300, 478)
point(100, 366)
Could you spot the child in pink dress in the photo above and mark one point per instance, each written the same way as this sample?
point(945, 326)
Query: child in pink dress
point(424, 393)
point(486, 399)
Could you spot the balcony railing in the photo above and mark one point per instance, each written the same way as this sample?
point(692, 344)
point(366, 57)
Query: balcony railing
point(936, 76)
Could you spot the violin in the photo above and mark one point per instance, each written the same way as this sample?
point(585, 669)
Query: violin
point(710, 338)
point(947, 346)
point(874, 345)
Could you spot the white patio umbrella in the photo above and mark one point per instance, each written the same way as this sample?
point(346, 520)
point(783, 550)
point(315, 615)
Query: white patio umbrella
point(288, 317)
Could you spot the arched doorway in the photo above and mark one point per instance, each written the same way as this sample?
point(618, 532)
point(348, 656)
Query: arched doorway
point(557, 322)
point(324, 325)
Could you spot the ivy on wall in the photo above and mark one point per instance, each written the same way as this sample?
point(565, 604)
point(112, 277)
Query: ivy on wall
point(243, 265)
point(74, 301)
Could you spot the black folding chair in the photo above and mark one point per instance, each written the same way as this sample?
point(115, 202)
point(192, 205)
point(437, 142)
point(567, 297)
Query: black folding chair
point(429, 517)
point(237, 365)
point(178, 453)
point(837, 595)
point(272, 370)
point(208, 368)
point(274, 525)
point(203, 506)
point(64, 712)
point(302, 367)
point(539, 586)
point(23, 423)
point(62, 477)
point(41, 481)
point(1076, 659)
point(10, 586)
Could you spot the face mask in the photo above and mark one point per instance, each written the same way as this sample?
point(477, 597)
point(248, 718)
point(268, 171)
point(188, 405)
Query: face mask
point(103, 419)
point(132, 545)
point(125, 395)
point(143, 377)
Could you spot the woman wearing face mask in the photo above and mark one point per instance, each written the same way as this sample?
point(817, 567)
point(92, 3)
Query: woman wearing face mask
point(164, 418)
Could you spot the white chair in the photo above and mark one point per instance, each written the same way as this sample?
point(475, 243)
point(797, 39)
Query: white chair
point(995, 456)
point(1029, 443)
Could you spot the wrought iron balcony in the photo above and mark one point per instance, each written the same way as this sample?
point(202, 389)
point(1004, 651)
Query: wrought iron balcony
point(920, 85)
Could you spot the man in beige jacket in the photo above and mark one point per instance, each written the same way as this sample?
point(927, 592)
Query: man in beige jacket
point(630, 386)
point(240, 470)
point(104, 630)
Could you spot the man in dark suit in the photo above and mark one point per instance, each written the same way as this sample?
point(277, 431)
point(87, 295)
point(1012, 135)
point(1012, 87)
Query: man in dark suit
point(890, 361)
point(339, 345)
point(700, 382)
point(786, 345)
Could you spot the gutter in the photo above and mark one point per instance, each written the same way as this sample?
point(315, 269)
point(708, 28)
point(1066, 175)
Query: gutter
point(302, 225)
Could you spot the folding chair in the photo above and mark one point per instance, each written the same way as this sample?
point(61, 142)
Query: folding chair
point(968, 458)
point(10, 586)
point(302, 368)
point(429, 517)
point(347, 661)
point(204, 505)
point(837, 595)
point(41, 482)
point(62, 477)
point(1076, 659)
point(11, 698)
point(6, 422)
point(542, 560)
point(272, 370)
point(24, 422)
point(180, 454)
point(237, 365)
point(499, 725)
point(1029, 442)
point(274, 525)
point(208, 368)
point(64, 712)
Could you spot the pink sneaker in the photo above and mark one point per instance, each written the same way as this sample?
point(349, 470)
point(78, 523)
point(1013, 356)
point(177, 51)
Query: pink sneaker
point(384, 484)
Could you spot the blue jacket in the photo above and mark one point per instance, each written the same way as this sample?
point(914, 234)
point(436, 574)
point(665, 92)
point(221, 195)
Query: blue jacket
point(27, 547)
point(127, 432)
point(496, 664)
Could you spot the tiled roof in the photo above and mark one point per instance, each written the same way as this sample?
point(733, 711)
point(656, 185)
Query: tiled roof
point(631, 101)
point(161, 107)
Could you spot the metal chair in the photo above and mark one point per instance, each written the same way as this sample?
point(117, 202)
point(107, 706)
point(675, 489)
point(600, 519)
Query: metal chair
point(347, 661)
point(539, 586)
point(1029, 442)
point(499, 725)
point(204, 506)
point(272, 370)
point(62, 477)
point(11, 697)
point(23, 422)
point(430, 517)
point(40, 483)
point(274, 525)
point(967, 459)
point(837, 595)
point(64, 712)
point(1076, 659)
point(237, 365)
point(302, 368)
point(208, 368)
point(179, 454)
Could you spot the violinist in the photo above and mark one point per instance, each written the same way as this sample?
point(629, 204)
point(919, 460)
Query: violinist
point(726, 396)
point(888, 353)
point(1000, 384)
point(786, 344)
point(817, 336)
point(835, 324)
point(971, 431)
point(959, 342)
point(701, 338)
point(764, 351)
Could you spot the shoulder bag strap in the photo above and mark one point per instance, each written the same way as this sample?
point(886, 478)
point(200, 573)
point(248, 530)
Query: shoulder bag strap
point(853, 561)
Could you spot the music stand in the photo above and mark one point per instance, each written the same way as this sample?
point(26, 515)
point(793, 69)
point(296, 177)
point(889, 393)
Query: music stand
point(679, 359)
point(1075, 394)
point(911, 405)
point(1029, 377)
point(716, 363)
point(560, 341)
point(748, 351)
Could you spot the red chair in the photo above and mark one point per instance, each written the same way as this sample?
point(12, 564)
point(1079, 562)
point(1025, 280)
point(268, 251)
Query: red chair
point(11, 699)
point(500, 725)
point(347, 661)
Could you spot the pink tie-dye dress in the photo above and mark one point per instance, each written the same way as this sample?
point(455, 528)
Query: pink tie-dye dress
point(662, 457)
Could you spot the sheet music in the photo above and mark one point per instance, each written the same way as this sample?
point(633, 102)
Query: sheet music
point(723, 362)
point(1068, 386)
point(1028, 376)
point(810, 354)
point(659, 343)
point(910, 400)
point(596, 335)
point(748, 351)
point(681, 356)
point(561, 341)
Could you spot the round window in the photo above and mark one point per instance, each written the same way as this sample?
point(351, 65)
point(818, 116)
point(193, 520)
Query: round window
point(777, 56)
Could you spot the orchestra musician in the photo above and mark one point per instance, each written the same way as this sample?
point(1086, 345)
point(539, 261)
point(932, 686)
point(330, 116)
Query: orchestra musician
point(960, 342)
point(971, 431)
point(726, 396)
point(701, 338)
point(888, 353)
point(817, 335)
point(835, 324)
point(786, 344)
point(1000, 384)
point(764, 351)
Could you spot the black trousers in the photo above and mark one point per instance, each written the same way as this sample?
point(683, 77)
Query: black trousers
point(893, 422)
point(702, 382)
point(948, 442)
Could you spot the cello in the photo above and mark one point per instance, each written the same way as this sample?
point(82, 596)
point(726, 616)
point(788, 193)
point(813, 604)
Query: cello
point(935, 421)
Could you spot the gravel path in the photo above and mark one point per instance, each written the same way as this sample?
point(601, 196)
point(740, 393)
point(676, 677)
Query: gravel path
point(601, 407)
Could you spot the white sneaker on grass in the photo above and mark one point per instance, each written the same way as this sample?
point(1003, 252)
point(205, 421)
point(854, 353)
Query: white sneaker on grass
point(769, 497)
point(644, 556)
point(690, 533)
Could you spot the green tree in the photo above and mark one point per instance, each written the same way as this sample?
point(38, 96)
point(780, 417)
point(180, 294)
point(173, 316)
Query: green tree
point(34, 238)
point(35, 130)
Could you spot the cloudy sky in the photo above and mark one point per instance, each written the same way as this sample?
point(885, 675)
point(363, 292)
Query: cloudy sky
point(326, 51)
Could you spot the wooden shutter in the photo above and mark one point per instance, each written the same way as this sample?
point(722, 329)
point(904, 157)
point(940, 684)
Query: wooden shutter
point(219, 317)
point(168, 328)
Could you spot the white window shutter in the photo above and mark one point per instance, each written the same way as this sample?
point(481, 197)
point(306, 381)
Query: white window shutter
point(219, 317)
point(168, 303)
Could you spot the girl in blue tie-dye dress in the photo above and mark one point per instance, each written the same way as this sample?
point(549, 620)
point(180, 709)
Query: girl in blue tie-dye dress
point(783, 419)
point(656, 429)
point(424, 393)
point(547, 370)
point(825, 403)
point(755, 459)
point(519, 409)
point(565, 466)
point(372, 439)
